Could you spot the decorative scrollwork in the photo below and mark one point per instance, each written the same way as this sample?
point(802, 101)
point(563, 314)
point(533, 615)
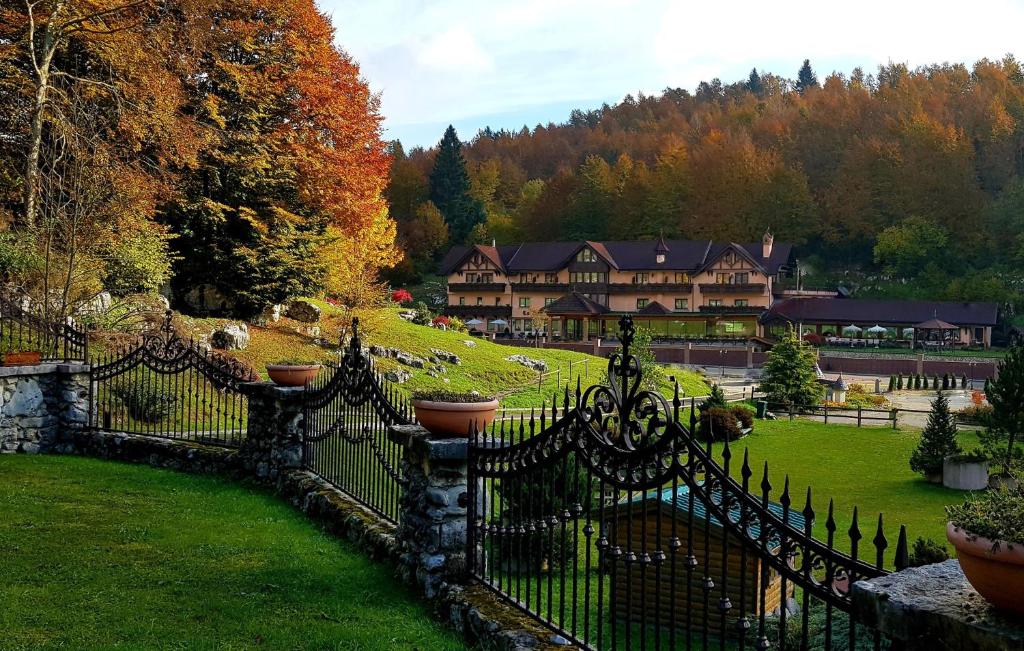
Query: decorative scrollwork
point(624, 413)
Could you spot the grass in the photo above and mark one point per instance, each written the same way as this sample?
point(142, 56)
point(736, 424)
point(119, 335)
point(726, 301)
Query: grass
point(995, 353)
point(484, 367)
point(867, 467)
point(101, 554)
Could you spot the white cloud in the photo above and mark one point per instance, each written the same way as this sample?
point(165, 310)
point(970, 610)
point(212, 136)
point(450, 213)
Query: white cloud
point(454, 50)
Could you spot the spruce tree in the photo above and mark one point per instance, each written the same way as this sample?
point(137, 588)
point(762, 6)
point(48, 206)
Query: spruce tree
point(924, 381)
point(789, 376)
point(754, 84)
point(938, 439)
point(892, 383)
point(899, 382)
point(806, 77)
point(449, 188)
point(1005, 393)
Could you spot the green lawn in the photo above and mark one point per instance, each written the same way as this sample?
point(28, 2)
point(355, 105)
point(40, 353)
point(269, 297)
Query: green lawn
point(865, 467)
point(997, 353)
point(99, 554)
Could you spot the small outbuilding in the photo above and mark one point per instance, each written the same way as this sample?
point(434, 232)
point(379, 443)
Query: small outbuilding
point(647, 526)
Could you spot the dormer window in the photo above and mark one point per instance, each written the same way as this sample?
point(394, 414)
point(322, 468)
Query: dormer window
point(586, 255)
point(660, 258)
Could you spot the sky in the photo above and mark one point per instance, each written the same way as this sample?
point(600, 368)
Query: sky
point(504, 64)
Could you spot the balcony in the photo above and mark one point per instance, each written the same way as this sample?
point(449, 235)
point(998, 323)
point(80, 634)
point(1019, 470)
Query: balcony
point(732, 288)
point(733, 309)
point(649, 288)
point(540, 287)
point(476, 287)
point(486, 311)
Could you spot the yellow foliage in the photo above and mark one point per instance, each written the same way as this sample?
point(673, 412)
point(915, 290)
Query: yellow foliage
point(353, 260)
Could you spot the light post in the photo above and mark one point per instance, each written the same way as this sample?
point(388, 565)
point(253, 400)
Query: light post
point(971, 364)
point(721, 359)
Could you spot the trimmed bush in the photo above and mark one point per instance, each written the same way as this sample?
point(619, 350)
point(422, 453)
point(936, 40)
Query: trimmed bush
point(926, 551)
point(744, 415)
point(899, 382)
point(719, 423)
point(145, 403)
point(892, 383)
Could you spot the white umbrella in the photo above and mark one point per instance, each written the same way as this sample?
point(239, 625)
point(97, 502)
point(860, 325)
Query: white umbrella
point(908, 332)
point(878, 330)
point(499, 322)
point(474, 322)
point(851, 328)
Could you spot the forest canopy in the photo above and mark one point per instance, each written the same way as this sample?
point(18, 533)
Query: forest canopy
point(904, 175)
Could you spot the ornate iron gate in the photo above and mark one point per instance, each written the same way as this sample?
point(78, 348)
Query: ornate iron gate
point(346, 418)
point(610, 522)
point(164, 386)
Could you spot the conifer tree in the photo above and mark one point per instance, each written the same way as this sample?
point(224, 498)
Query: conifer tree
point(754, 83)
point(449, 188)
point(892, 383)
point(899, 382)
point(1005, 393)
point(806, 77)
point(789, 377)
point(938, 439)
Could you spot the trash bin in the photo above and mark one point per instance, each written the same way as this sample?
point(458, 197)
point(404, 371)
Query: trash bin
point(762, 408)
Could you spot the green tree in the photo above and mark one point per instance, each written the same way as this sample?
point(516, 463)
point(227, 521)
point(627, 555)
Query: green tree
point(651, 372)
point(1005, 392)
point(938, 439)
point(806, 78)
point(754, 84)
point(904, 249)
point(789, 376)
point(450, 188)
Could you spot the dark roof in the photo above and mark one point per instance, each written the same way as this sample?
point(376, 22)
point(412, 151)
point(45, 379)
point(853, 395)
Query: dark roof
point(935, 324)
point(881, 311)
point(635, 255)
point(681, 501)
point(654, 308)
point(575, 303)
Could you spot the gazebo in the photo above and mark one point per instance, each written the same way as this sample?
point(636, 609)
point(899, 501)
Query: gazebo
point(936, 331)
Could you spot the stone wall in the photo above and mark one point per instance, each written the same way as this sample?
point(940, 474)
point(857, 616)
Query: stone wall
point(38, 402)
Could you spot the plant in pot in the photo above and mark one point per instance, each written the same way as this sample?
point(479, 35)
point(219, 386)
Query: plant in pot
point(445, 413)
point(966, 471)
point(293, 372)
point(987, 531)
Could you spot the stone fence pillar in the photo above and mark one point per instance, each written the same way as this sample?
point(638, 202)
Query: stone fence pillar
point(434, 516)
point(934, 608)
point(273, 442)
point(38, 403)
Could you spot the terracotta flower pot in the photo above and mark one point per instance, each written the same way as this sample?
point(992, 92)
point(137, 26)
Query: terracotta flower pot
point(453, 419)
point(290, 375)
point(998, 576)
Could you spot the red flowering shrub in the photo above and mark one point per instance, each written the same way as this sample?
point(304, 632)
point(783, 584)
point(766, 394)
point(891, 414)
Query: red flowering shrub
point(441, 321)
point(401, 296)
point(814, 339)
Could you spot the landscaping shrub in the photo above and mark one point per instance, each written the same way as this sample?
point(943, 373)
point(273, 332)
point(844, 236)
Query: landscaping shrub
point(945, 381)
point(899, 382)
point(994, 514)
point(892, 383)
point(716, 398)
point(963, 381)
point(924, 381)
point(401, 296)
point(423, 315)
point(814, 339)
point(975, 415)
point(926, 551)
point(439, 321)
point(719, 424)
point(744, 415)
point(917, 381)
point(145, 403)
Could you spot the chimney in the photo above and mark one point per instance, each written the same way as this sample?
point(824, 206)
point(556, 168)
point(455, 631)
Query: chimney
point(766, 245)
point(494, 242)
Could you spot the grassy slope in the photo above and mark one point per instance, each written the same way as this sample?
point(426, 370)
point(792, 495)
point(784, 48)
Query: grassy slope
point(484, 367)
point(103, 554)
point(865, 467)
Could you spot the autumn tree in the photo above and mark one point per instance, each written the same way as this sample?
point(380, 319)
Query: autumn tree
point(905, 249)
point(450, 188)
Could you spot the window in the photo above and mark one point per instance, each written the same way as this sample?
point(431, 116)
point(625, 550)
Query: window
point(741, 278)
point(586, 255)
point(479, 300)
point(549, 301)
point(462, 300)
point(641, 303)
point(682, 303)
point(682, 278)
point(551, 278)
point(715, 302)
point(740, 302)
point(722, 279)
point(588, 277)
point(485, 278)
point(642, 278)
point(524, 301)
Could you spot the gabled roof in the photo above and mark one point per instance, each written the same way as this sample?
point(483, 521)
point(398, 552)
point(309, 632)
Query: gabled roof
point(635, 255)
point(719, 250)
point(575, 303)
point(881, 311)
point(654, 308)
point(935, 324)
point(680, 500)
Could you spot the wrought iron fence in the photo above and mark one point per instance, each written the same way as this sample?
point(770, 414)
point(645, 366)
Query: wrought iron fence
point(27, 329)
point(163, 385)
point(346, 416)
point(611, 522)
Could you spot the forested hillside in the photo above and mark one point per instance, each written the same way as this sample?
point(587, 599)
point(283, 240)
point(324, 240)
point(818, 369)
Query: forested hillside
point(898, 176)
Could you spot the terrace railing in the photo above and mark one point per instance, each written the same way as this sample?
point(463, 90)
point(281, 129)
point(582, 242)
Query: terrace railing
point(346, 416)
point(611, 521)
